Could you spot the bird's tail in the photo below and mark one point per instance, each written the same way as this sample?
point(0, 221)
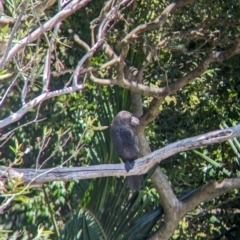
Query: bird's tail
point(134, 182)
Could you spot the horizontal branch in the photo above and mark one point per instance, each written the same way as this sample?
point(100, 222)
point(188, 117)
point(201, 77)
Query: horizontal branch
point(141, 166)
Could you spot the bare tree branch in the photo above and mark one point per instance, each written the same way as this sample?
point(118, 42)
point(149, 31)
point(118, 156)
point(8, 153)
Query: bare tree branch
point(64, 13)
point(208, 192)
point(14, 30)
point(158, 22)
point(202, 194)
point(47, 65)
point(174, 209)
point(8, 90)
point(141, 166)
point(30, 105)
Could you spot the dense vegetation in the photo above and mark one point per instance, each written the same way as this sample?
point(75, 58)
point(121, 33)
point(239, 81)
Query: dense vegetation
point(66, 71)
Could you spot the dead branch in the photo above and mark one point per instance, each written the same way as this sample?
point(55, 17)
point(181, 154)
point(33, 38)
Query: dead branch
point(64, 13)
point(33, 103)
point(142, 165)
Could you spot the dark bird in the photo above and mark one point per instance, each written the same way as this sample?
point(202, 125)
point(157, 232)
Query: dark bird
point(125, 142)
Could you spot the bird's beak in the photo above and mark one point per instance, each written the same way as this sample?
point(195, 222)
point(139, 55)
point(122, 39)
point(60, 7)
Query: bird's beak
point(135, 121)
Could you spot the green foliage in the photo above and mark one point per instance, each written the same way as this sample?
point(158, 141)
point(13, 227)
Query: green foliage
point(73, 130)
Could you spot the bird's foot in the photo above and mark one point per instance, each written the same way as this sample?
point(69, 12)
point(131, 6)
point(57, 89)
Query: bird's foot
point(129, 165)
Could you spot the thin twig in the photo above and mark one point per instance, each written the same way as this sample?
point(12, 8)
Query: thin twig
point(8, 90)
point(14, 30)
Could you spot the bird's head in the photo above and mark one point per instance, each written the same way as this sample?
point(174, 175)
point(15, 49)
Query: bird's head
point(125, 117)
